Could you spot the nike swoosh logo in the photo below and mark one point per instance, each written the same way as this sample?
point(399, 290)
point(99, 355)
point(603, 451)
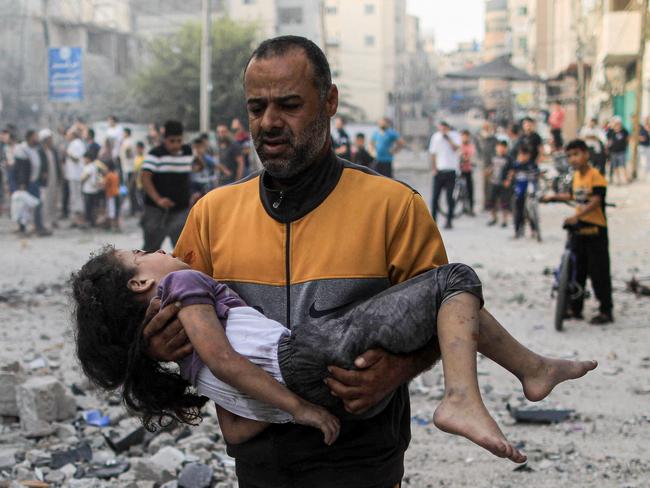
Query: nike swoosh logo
point(316, 314)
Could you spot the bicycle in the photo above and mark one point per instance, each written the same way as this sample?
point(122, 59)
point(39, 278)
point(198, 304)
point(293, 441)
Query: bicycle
point(565, 285)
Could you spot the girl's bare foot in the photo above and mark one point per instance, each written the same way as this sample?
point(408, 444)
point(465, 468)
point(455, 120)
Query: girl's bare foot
point(460, 414)
point(549, 373)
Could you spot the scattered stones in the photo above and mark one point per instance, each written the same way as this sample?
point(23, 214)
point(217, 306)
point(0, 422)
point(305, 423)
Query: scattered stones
point(7, 458)
point(195, 475)
point(168, 458)
point(42, 400)
point(80, 453)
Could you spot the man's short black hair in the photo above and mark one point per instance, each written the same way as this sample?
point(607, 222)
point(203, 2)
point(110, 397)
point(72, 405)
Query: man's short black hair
point(466, 133)
point(503, 143)
point(173, 128)
point(524, 149)
point(29, 134)
point(139, 144)
point(360, 135)
point(578, 144)
point(279, 46)
point(91, 133)
point(127, 130)
point(527, 119)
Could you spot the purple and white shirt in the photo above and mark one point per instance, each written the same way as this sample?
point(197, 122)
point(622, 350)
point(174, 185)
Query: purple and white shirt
point(250, 333)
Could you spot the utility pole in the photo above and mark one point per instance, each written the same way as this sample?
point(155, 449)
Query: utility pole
point(639, 88)
point(580, 64)
point(205, 86)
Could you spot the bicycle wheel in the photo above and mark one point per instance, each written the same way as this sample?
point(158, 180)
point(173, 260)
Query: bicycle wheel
point(562, 292)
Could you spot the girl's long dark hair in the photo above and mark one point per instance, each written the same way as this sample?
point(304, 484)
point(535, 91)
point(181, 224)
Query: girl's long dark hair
point(111, 349)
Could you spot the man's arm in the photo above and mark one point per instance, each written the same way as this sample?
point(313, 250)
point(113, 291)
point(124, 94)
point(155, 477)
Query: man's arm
point(434, 165)
point(150, 190)
point(594, 202)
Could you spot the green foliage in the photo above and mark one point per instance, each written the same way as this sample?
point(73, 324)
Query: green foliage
point(168, 85)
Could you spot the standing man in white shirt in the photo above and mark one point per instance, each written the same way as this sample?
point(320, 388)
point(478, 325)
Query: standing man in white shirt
point(445, 162)
point(116, 133)
point(72, 173)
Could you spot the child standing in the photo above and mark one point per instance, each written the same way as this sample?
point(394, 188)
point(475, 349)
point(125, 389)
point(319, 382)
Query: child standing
point(112, 194)
point(500, 194)
point(91, 188)
point(523, 173)
point(467, 153)
point(591, 240)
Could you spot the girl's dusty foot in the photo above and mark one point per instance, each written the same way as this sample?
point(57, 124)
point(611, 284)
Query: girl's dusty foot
point(460, 414)
point(549, 373)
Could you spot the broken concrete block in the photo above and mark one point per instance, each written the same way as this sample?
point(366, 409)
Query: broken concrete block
point(168, 458)
point(10, 376)
point(195, 475)
point(7, 458)
point(146, 470)
point(42, 400)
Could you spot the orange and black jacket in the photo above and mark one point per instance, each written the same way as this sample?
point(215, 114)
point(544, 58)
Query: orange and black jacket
point(340, 233)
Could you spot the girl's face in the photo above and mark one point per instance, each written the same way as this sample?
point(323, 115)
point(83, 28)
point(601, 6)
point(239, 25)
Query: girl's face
point(150, 265)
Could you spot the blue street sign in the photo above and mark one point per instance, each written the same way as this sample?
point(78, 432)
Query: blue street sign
point(65, 74)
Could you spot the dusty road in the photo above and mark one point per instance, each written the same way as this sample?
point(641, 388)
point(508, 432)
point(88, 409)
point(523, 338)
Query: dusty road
point(604, 445)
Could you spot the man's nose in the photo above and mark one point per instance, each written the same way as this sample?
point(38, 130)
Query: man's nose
point(272, 118)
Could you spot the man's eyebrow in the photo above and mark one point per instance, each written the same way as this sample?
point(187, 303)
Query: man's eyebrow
point(283, 99)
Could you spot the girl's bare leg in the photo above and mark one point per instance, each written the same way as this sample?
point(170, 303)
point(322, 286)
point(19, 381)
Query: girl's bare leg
point(538, 374)
point(462, 410)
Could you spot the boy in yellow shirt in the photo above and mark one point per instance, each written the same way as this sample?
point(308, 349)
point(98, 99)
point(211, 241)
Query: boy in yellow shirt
point(589, 190)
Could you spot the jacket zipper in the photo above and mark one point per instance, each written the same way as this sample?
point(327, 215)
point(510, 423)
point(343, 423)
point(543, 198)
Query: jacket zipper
point(277, 203)
point(288, 273)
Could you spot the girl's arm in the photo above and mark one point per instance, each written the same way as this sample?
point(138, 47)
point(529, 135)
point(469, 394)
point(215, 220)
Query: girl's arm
point(211, 344)
point(236, 429)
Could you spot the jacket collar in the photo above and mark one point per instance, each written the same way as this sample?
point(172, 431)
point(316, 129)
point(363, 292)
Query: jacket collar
point(304, 192)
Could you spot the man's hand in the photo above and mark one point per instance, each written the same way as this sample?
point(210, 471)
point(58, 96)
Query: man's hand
point(571, 221)
point(164, 333)
point(379, 373)
point(165, 203)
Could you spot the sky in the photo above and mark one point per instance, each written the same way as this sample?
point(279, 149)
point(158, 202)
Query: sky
point(451, 21)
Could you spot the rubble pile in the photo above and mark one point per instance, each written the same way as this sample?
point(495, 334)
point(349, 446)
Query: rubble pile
point(67, 434)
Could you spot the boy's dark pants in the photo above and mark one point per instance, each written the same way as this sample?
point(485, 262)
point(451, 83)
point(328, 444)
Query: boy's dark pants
point(592, 260)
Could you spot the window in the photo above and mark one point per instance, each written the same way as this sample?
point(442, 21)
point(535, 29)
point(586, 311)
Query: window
point(521, 11)
point(369, 40)
point(290, 15)
point(523, 44)
point(369, 9)
point(330, 10)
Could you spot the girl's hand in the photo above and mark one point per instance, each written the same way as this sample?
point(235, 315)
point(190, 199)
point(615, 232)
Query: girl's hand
point(318, 417)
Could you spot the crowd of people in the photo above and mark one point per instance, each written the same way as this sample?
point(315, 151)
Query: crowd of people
point(49, 179)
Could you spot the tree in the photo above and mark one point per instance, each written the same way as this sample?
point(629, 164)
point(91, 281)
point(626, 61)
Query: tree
point(168, 86)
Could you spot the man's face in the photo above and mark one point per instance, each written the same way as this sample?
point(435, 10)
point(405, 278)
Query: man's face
point(235, 125)
point(527, 126)
point(4, 137)
point(360, 141)
point(577, 158)
point(339, 123)
point(33, 140)
point(223, 134)
point(383, 124)
point(443, 128)
point(617, 125)
point(173, 144)
point(501, 150)
point(289, 122)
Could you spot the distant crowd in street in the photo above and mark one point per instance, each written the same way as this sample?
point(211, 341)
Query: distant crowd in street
point(67, 178)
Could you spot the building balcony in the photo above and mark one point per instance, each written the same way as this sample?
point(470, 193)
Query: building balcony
point(619, 41)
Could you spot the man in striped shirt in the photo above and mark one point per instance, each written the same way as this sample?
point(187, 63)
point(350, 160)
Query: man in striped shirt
point(166, 181)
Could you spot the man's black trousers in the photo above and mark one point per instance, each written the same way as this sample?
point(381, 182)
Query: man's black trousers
point(444, 180)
